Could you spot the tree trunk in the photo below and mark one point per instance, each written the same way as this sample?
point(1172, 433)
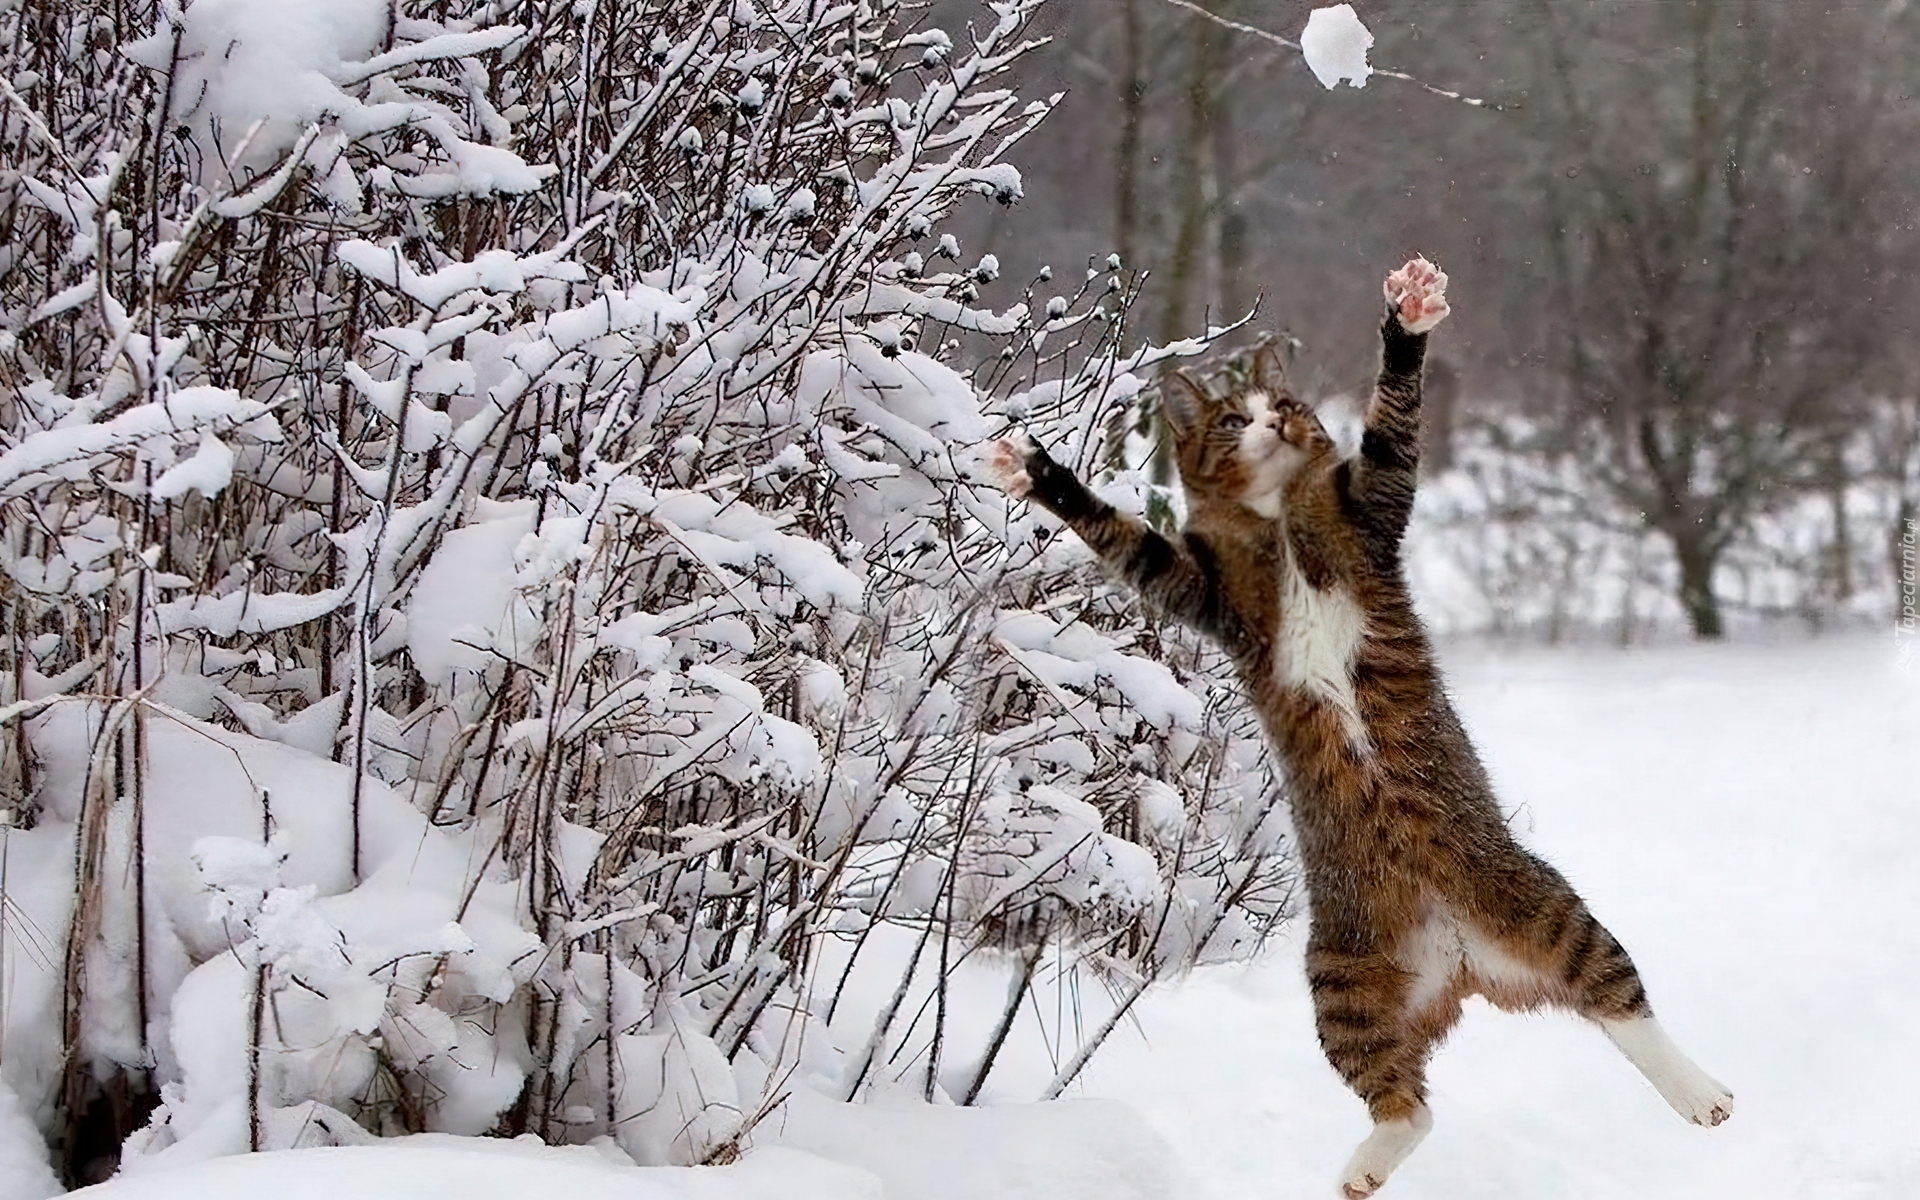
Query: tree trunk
point(1202, 106)
point(1230, 235)
point(1697, 561)
point(1439, 404)
point(1126, 181)
point(1190, 171)
point(1842, 560)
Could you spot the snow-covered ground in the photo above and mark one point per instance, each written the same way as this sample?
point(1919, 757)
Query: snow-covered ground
point(1743, 817)
point(1747, 820)
point(1064, 1150)
point(435, 1165)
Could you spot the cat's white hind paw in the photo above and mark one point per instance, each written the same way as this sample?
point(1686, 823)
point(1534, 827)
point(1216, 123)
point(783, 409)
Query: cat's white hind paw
point(1693, 1093)
point(1418, 292)
point(1383, 1150)
point(1361, 1188)
point(1005, 463)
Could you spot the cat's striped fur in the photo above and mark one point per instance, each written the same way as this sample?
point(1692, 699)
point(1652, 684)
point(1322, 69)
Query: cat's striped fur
point(1418, 894)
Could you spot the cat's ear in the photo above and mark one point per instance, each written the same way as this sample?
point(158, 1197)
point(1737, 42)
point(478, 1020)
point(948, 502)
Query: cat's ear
point(1270, 370)
point(1184, 401)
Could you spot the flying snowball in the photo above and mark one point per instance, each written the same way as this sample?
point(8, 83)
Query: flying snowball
point(1335, 44)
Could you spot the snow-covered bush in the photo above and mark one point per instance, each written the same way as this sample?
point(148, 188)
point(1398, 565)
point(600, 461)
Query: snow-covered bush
point(497, 610)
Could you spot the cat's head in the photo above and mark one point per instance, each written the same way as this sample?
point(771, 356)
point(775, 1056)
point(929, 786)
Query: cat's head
point(1245, 446)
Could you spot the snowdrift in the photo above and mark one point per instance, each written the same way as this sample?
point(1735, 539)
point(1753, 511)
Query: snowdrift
point(814, 1150)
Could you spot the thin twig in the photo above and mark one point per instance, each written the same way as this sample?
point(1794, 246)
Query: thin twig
point(1276, 39)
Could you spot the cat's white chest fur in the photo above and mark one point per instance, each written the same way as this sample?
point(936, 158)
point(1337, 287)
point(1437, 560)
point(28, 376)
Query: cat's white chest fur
point(1320, 637)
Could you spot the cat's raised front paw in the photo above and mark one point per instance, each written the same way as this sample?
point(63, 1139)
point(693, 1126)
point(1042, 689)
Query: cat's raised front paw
point(1005, 461)
point(1418, 293)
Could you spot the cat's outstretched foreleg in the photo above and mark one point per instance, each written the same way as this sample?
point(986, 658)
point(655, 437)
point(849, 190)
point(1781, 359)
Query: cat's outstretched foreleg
point(1174, 577)
point(1019, 467)
point(1385, 472)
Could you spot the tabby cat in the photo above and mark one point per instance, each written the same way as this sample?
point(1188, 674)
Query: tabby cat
point(1418, 894)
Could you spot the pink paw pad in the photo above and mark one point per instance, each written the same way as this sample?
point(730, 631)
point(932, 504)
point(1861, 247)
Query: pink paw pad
point(1006, 464)
point(1418, 292)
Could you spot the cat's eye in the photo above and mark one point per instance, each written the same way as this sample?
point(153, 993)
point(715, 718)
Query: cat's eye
point(1232, 421)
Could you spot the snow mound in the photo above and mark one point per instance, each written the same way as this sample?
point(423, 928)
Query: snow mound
point(24, 1174)
point(482, 1169)
point(811, 1149)
point(1335, 44)
point(1060, 1150)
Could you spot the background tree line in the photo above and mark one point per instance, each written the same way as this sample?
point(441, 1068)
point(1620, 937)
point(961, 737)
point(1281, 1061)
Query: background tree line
point(1677, 234)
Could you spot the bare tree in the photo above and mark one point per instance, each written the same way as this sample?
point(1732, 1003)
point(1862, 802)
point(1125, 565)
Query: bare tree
point(1721, 275)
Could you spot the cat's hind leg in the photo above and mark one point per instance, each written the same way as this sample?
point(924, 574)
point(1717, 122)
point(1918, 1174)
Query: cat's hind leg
point(1693, 1093)
point(1361, 1010)
point(1554, 951)
point(1383, 1150)
point(1605, 987)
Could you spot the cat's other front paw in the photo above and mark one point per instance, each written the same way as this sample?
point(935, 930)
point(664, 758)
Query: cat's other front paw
point(1418, 294)
point(1005, 463)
